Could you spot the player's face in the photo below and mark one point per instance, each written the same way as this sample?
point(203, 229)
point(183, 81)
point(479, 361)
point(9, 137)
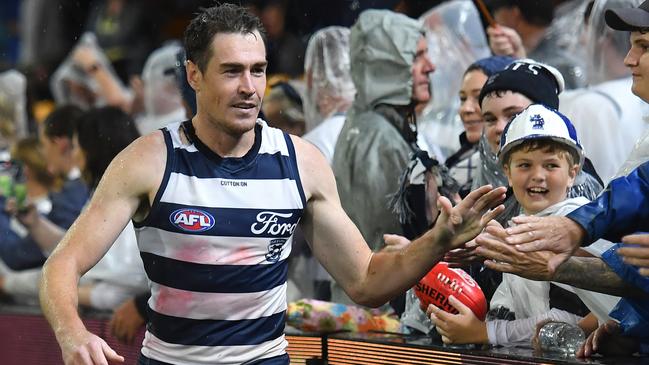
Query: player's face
point(638, 61)
point(230, 90)
point(497, 111)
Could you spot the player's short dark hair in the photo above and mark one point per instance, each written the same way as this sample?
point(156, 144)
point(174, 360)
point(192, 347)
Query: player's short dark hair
point(223, 18)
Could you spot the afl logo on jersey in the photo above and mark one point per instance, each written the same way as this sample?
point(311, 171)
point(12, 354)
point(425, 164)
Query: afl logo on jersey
point(192, 220)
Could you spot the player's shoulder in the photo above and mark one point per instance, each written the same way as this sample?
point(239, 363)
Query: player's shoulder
point(308, 155)
point(313, 166)
point(148, 145)
point(143, 156)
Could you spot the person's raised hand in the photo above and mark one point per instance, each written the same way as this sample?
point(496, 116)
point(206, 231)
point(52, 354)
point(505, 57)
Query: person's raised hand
point(503, 257)
point(560, 235)
point(85, 57)
point(636, 251)
point(505, 41)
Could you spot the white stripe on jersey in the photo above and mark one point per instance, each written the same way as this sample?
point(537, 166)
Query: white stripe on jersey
point(258, 194)
point(272, 142)
point(155, 348)
point(218, 306)
point(176, 140)
point(211, 250)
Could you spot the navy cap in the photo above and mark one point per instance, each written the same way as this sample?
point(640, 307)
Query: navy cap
point(628, 19)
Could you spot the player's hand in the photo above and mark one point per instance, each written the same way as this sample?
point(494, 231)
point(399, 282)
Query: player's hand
point(85, 348)
point(126, 322)
point(457, 225)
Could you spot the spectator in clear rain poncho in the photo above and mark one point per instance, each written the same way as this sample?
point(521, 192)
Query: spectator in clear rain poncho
point(329, 87)
point(86, 79)
point(13, 110)
point(455, 40)
point(609, 116)
point(524, 30)
point(390, 67)
point(162, 98)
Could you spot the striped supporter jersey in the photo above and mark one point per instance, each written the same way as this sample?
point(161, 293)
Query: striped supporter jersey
point(214, 247)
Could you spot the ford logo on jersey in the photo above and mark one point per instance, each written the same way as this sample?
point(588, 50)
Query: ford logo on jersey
point(192, 220)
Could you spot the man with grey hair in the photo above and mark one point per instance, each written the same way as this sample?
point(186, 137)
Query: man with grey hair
point(390, 69)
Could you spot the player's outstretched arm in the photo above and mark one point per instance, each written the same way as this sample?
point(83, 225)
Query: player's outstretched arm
point(123, 192)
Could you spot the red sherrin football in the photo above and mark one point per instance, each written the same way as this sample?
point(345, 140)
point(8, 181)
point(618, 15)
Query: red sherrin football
point(442, 281)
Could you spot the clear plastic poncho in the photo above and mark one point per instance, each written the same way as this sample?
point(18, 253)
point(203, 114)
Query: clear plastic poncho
point(13, 107)
point(567, 27)
point(606, 47)
point(455, 40)
point(71, 85)
point(162, 98)
point(330, 89)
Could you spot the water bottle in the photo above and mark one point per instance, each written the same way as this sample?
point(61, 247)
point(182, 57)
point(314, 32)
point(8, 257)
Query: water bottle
point(561, 337)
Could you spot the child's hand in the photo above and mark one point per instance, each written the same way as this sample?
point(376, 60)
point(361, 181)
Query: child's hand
point(463, 327)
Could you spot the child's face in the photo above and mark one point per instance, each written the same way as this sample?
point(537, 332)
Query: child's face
point(497, 111)
point(539, 178)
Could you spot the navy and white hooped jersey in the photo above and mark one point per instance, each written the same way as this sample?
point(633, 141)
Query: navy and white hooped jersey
point(214, 247)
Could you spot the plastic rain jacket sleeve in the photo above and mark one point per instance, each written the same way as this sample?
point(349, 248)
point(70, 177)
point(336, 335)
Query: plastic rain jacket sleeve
point(621, 209)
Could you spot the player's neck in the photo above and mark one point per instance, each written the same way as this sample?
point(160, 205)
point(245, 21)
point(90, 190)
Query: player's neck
point(223, 142)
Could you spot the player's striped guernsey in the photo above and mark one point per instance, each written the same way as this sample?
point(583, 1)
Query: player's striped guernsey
point(214, 247)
